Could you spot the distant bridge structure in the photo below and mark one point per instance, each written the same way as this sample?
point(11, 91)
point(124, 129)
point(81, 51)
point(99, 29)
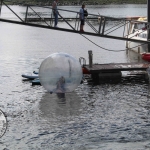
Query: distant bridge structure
point(99, 28)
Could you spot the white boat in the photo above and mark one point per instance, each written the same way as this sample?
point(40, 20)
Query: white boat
point(137, 29)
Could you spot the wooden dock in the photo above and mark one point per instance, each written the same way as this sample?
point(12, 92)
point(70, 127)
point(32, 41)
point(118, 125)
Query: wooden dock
point(111, 71)
point(102, 73)
point(115, 67)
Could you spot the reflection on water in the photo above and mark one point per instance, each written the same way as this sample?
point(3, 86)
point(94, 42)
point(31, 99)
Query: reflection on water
point(61, 96)
point(59, 105)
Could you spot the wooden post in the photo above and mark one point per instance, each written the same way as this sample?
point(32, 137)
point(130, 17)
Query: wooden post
point(148, 21)
point(90, 58)
point(127, 32)
point(138, 53)
point(138, 50)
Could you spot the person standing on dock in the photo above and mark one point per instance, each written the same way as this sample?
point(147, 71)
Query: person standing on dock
point(81, 15)
point(55, 12)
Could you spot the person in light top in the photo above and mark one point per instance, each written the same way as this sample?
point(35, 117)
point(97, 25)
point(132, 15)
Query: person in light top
point(81, 16)
point(55, 12)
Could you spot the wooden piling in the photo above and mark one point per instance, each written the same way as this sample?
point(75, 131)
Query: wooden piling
point(90, 59)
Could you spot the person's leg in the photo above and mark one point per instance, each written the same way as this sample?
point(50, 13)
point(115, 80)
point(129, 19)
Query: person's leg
point(81, 26)
point(56, 19)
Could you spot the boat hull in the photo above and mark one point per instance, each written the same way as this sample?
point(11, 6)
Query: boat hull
point(137, 47)
point(146, 56)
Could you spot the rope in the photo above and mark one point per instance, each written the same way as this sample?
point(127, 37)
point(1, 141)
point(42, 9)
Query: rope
point(115, 50)
point(110, 49)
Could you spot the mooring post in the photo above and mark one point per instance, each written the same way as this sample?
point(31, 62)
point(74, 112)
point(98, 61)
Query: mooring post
point(90, 58)
point(148, 21)
point(138, 50)
point(138, 53)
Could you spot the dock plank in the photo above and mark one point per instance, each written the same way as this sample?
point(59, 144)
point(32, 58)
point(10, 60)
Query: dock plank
point(112, 67)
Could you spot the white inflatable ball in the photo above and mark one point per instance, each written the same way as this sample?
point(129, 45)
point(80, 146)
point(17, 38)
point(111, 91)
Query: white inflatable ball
point(60, 73)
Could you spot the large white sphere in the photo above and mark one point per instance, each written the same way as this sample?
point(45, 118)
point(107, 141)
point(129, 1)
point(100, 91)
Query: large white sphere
point(60, 73)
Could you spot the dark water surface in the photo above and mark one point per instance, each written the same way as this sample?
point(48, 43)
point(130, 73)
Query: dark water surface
point(94, 117)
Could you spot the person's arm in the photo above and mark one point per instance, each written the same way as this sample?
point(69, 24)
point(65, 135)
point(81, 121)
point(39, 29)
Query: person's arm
point(80, 14)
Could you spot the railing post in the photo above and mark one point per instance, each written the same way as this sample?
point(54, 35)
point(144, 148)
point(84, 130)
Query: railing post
point(90, 58)
point(26, 14)
point(76, 20)
point(124, 29)
point(1, 6)
point(100, 24)
point(104, 26)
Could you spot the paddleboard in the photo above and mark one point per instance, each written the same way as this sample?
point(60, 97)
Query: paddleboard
point(36, 81)
point(30, 76)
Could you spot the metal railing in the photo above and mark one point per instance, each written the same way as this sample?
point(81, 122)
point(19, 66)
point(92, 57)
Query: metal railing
point(100, 30)
point(101, 22)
